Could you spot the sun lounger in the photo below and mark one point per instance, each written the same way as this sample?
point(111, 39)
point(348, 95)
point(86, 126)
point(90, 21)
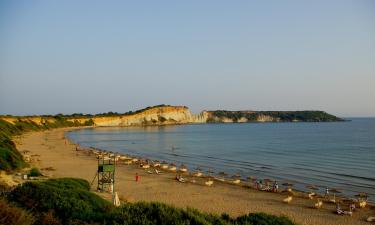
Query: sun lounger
point(362, 204)
point(158, 171)
point(182, 180)
point(219, 179)
point(209, 183)
point(148, 171)
point(342, 212)
point(311, 195)
point(371, 219)
point(288, 199)
point(318, 205)
point(236, 181)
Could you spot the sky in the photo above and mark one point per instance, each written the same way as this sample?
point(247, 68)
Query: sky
point(99, 56)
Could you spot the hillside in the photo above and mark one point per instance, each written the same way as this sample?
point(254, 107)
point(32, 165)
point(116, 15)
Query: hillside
point(270, 116)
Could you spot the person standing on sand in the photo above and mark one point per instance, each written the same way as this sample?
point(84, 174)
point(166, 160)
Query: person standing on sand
point(327, 192)
point(275, 187)
point(136, 177)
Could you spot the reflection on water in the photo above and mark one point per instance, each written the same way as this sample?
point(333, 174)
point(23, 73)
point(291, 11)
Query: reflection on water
point(339, 155)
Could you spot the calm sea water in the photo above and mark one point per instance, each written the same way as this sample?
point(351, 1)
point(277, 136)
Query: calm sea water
point(337, 155)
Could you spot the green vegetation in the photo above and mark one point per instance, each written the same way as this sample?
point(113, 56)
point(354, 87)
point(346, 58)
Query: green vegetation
point(275, 116)
point(10, 214)
point(69, 201)
point(10, 158)
point(34, 172)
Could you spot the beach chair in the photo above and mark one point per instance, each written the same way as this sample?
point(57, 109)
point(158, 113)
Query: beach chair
point(236, 181)
point(209, 183)
point(182, 180)
point(362, 204)
point(150, 172)
point(318, 205)
point(371, 219)
point(311, 195)
point(288, 199)
point(158, 171)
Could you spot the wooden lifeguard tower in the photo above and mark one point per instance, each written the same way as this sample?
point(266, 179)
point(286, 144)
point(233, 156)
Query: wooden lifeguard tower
point(106, 173)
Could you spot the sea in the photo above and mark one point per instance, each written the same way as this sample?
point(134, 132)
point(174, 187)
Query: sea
point(338, 155)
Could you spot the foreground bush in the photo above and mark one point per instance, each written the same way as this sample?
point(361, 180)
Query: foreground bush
point(69, 201)
point(10, 214)
point(34, 172)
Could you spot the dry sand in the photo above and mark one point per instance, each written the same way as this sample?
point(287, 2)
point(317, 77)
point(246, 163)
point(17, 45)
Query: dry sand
point(52, 150)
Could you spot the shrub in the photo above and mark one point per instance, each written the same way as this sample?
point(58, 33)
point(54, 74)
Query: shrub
point(34, 172)
point(68, 201)
point(10, 214)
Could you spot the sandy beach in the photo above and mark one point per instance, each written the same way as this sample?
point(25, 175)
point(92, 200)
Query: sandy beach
point(51, 149)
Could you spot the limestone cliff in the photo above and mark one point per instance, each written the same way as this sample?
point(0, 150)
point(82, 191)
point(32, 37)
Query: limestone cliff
point(153, 116)
point(164, 115)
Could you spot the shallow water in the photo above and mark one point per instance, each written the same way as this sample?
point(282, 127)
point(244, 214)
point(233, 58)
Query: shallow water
point(337, 155)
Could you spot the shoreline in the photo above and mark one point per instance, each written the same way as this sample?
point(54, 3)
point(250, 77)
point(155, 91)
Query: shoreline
point(222, 197)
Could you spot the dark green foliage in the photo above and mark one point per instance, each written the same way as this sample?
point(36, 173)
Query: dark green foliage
point(10, 158)
point(89, 122)
point(34, 172)
point(158, 213)
point(262, 219)
point(10, 214)
point(277, 116)
point(68, 201)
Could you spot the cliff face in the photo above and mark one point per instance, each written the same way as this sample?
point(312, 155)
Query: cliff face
point(163, 115)
point(154, 116)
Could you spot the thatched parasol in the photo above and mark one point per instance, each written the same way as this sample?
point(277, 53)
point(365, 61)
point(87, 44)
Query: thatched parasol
point(362, 195)
point(334, 191)
point(312, 187)
point(223, 174)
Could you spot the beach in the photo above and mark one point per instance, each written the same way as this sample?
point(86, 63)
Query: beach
point(50, 149)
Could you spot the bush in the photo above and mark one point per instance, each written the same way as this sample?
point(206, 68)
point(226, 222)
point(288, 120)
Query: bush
point(34, 172)
point(10, 214)
point(68, 201)
point(262, 218)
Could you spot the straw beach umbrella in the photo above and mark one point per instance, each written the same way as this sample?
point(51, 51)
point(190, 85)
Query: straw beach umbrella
point(223, 175)
point(312, 189)
point(334, 191)
point(267, 182)
point(362, 199)
point(362, 196)
point(288, 186)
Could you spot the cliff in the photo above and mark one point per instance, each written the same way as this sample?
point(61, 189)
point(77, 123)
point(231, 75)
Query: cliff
point(165, 114)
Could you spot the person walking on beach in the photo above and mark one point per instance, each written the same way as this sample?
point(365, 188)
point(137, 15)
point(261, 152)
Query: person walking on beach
point(327, 192)
point(275, 187)
point(136, 177)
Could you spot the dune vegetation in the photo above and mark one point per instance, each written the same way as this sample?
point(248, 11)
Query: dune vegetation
point(69, 201)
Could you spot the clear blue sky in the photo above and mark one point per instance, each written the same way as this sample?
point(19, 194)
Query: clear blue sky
point(98, 56)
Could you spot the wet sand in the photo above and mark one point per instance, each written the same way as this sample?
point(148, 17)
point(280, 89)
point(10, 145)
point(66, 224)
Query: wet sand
point(51, 149)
